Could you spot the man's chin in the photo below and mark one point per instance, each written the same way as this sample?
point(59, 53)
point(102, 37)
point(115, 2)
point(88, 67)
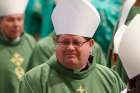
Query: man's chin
point(72, 61)
point(13, 38)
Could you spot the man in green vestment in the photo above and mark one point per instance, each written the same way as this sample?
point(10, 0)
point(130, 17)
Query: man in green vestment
point(118, 65)
point(15, 45)
point(73, 70)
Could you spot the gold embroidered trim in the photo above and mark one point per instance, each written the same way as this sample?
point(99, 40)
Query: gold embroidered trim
point(17, 60)
point(81, 90)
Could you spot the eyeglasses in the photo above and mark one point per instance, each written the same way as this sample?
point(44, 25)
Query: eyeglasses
point(74, 43)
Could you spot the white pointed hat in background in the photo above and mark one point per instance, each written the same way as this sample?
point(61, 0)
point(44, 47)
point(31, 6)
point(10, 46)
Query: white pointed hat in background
point(128, 4)
point(9, 7)
point(118, 36)
point(57, 1)
point(129, 49)
point(76, 17)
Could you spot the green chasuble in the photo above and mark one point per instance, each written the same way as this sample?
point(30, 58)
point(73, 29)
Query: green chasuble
point(118, 66)
point(51, 77)
point(121, 71)
point(38, 17)
point(46, 48)
point(14, 57)
point(109, 11)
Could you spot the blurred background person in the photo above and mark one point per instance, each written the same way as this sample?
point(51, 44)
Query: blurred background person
point(129, 53)
point(15, 45)
point(130, 10)
point(38, 18)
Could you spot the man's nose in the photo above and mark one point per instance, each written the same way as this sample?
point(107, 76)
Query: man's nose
point(15, 23)
point(70, 45)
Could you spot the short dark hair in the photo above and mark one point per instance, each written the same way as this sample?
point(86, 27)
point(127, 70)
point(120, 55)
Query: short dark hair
point(1, 17)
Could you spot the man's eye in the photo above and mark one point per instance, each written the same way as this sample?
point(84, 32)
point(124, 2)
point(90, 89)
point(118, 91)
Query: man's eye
point(76, 43)
point(65, 43)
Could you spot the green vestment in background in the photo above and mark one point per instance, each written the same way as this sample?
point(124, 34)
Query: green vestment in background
point(14, 57)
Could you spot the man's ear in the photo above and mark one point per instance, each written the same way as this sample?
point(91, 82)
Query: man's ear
point(0, 22)
point(1, 18)
point(91, 42)
point(55, 37)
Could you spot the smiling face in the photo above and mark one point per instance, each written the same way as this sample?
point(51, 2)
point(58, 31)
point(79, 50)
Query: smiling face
point(73, 51)
point(12, 26)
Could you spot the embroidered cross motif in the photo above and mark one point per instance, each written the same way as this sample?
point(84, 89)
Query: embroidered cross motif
point(19, 72)
point(17, 59)
point(81, 90)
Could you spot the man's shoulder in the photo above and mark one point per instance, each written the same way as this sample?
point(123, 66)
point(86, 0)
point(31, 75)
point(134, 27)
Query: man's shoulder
point(35, 78)
point(109, 75)
point(48, 39)
point(43, 42)
point(40, 72)
point(29, 36)
point(46, 43)
point(103, 68)
point(106, 71)
point(37, 72)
